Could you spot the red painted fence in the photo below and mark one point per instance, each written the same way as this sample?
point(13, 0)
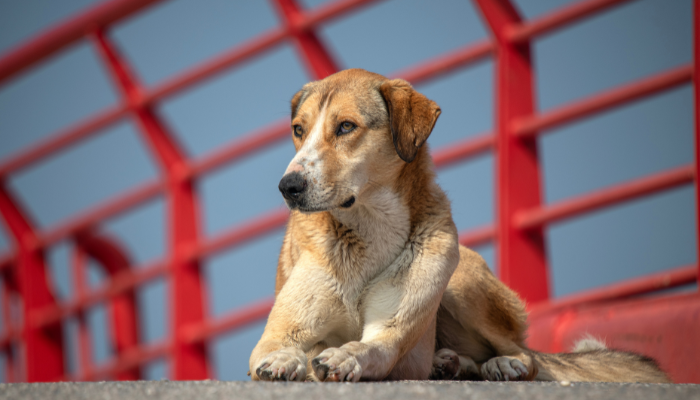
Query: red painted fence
point(665, 327)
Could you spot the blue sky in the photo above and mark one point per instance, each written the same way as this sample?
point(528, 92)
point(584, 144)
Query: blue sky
point(630, 42)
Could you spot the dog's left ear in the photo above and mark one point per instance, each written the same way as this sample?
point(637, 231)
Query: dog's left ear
point(412, 116)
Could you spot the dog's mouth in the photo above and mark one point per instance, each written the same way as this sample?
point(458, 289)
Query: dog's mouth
point(306, 209)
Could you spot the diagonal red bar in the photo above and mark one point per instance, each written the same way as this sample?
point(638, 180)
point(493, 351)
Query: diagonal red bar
point(244, 232)
point(187, 291)
point(563, 17)
point(62, 139)
point(128, 360)
point(62, 35)
point(534, 125)
point(124, 329)
point(537, 217)
point(117, 284)
point(234, 320)
point(641, 285)
point(109, 209)
point(465, 148)
point(314, 54)
point(478, 236)
point(43, 346)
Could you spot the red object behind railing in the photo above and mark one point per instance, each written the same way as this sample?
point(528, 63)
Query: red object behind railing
point(520, 218)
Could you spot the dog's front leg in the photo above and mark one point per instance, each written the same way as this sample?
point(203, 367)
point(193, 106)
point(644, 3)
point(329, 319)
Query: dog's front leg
point(398, 309)
point(298, 321)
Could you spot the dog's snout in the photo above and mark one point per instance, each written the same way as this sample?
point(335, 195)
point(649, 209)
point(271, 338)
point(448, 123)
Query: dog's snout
point(292, 186)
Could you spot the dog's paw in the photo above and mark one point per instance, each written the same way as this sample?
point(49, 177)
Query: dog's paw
point(288, 364)
point(336, 365)
point(503, 369)
point(445, 365)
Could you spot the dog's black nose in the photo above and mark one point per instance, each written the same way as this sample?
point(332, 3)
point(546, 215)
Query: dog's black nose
point(292, 186)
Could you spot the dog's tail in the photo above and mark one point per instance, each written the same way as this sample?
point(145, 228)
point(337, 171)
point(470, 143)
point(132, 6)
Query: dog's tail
point(591, 361)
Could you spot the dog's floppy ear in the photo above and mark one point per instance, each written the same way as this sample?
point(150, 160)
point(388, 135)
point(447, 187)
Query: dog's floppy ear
point(296, 101)
point(412, 116)
point(300, 96)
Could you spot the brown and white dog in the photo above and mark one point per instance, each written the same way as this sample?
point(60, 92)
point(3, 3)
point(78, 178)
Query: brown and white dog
point(371, 279)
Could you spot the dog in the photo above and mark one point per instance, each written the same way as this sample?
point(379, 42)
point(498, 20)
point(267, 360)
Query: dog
point(371, 279)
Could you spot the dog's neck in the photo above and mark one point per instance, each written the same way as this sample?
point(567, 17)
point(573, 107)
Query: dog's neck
point(382, 220)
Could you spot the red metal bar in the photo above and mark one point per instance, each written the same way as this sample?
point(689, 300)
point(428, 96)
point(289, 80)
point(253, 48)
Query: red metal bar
point(43, 347)
point(6, 261)
point(540, 216)
point(109, 209)
point(10, 333)
point(563, 17)
point(446, 63)
point(63, 139)
point(696, 106)
point(84, 337)
point(632, 287)
point(252, 48)
point(315, 55)
point(236, 319)
point(187, 292)
point(244, 147)
point(66, 33)
point(466, 148)
point(534, 125)
point(478, 236)
point(210, 68)
point(128, 360)
point(119, 283)
point(331, 11)
point(124, 329)
point(522, 263)
point(242, 233)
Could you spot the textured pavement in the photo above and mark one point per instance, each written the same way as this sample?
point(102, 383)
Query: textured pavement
point(206, 390)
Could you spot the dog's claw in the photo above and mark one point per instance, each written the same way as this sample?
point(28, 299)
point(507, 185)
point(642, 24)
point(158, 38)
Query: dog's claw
point(336, 365)
point(504, 368)
point(287, 364)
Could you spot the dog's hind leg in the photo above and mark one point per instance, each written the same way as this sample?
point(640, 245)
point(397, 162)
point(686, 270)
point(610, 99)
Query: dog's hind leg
point(481, 319)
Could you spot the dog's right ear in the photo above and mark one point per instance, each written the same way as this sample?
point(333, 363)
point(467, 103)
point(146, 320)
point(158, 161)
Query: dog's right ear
point(296, 101)
point(300, 96)
point(412, 116)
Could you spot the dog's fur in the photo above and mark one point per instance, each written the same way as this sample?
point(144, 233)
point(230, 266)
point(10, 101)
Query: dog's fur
point(371, 280)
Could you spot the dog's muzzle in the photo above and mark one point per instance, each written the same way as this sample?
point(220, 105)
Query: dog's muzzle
point(292, 187)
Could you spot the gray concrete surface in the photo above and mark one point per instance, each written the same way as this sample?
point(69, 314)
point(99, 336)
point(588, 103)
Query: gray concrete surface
point(214, 390)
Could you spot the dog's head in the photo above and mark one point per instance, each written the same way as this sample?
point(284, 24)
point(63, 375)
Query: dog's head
point(352, 131)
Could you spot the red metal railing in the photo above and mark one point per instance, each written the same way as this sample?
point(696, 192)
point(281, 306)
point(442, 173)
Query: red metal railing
point(520, 218)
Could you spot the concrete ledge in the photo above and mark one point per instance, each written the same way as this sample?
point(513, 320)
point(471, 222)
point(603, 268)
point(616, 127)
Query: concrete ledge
point(206, 390)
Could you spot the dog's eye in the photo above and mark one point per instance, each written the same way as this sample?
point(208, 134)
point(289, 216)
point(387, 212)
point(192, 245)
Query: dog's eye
point(298, 131)
point(346, 127)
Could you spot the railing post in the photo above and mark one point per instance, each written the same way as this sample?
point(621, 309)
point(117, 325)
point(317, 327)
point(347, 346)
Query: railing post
point(521, 254)
point(190, 360)
point(43, 347)
point(122, 307)
point(85, 365)
point(314, 54)
point(9, 285)
point(696, 109)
